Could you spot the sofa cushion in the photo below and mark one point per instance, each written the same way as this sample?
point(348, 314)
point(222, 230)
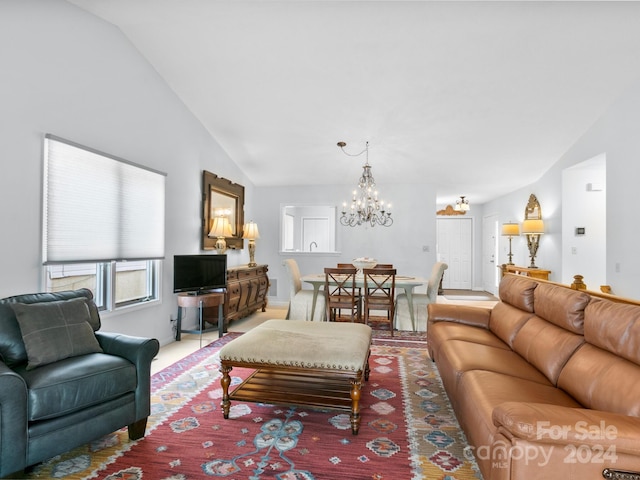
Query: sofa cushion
point(72, 384)
point(481, 391)
point(546, 346)
point(442, 332)
point(601, 380)
point(561, 306)
point(458, 358)
point(518, 291)
point(614, 327)
point(506, 321)
point(52, 331)
point(12, 351)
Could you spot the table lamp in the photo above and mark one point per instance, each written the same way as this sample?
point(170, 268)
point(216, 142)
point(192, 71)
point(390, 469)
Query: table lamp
point(250, 232)
point(510, 230)
point(221, 228)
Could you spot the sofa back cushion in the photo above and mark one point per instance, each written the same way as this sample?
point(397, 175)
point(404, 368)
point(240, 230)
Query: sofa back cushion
point(546, 346)
point(614, 327)
point(604, 374)
point(518, 291)
point(506, 321)
point(12, 349)
point(562, 306)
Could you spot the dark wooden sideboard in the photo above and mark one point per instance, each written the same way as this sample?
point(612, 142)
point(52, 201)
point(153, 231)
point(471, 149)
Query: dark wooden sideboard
point(246, 292)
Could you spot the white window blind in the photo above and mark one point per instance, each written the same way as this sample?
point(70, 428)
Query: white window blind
point(98, 207)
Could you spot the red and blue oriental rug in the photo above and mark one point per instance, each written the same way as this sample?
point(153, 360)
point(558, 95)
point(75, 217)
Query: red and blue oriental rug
point(408, 430)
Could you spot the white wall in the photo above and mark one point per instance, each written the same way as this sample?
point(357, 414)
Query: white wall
point(401, 244)
point(71, 74)
point(585, 207)
point(614, 135)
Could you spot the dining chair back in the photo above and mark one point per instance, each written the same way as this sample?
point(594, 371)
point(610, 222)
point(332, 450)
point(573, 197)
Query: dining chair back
point(379, 294)
point(419, 302)
point(341, 294)
point(300, 300)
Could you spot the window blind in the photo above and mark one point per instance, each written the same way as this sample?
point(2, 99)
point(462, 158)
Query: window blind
point(98, 207)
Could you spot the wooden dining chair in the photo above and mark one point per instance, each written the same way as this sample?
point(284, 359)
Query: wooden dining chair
point(341, 294)
point(379, 294)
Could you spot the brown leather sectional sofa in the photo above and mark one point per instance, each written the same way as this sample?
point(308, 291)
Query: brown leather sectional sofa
point(546, 385)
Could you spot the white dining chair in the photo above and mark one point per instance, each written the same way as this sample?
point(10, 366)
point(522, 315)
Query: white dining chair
point(420, 302)
point(300, 300)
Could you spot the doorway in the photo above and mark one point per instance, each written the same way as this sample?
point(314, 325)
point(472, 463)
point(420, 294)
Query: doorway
point(490, 272)
point(454, 236)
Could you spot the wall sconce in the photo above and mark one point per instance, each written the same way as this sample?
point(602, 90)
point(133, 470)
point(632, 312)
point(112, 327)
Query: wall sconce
point(221, 228)
point(510, 230)
point(250, 232)
point(533, 229)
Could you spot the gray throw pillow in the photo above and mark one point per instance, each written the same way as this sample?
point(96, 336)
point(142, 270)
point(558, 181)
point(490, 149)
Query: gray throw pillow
point(52, 331)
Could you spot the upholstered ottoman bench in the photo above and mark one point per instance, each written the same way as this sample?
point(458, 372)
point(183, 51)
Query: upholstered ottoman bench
point(319, 364)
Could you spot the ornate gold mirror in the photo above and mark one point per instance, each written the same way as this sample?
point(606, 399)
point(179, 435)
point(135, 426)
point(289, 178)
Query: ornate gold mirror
point(532, 211)
point(222, 198)
point(533, 227)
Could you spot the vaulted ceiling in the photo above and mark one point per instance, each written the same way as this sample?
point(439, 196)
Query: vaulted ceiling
point(479, 98)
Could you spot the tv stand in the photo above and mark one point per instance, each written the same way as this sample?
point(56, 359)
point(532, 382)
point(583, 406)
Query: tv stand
point(201, 301)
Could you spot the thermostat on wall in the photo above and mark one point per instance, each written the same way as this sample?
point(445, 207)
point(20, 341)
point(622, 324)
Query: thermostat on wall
point(579, 230)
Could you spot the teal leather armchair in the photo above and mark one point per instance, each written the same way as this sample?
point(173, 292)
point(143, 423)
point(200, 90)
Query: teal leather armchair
point(57, 406)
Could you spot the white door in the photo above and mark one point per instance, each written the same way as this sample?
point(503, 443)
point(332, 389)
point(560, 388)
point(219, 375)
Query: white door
point(455, 249)
point(490, 272)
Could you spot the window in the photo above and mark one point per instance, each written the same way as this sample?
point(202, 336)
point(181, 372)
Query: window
point(308, 228)
point(103, 225)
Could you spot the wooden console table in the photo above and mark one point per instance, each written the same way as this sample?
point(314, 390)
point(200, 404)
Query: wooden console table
point(246, 292)
point(529, 272)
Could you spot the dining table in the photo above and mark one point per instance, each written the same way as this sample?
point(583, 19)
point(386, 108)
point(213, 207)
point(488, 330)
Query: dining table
point(406, 283)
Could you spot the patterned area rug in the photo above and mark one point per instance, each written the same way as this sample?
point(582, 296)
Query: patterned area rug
point(408, 430)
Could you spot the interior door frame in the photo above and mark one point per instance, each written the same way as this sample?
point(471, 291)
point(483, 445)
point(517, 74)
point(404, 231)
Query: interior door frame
point(490, 253)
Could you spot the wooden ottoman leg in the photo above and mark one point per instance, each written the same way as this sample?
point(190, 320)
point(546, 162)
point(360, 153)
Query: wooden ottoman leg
point(355, 405)
point(225, 381)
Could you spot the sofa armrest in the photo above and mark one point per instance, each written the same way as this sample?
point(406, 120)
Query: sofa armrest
point(473, 316)
point(558, 425)
point(13, 421)
point(140, 351)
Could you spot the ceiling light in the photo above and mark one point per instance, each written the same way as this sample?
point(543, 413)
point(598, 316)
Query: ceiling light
point(366, 208)
point(462, 205)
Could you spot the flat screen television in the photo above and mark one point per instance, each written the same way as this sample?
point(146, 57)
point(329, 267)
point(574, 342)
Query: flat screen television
point(199, 273)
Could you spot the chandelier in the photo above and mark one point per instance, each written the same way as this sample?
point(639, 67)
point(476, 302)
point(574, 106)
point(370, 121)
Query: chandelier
point(366, 208)
point(462, 205)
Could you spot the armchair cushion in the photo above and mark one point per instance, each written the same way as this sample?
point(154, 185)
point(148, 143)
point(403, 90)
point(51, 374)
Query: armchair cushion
point(53, 331)
point(73, 384)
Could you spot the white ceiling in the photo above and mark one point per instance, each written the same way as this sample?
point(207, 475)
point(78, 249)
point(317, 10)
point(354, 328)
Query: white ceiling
point(479, 98)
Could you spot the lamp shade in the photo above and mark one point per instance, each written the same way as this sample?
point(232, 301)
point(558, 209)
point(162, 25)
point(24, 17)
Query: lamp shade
point(221, 228)
point(510, 229)
point(535, 227)
point(250, 231)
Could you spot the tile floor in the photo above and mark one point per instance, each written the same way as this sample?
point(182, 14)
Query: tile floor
point(189, 343)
